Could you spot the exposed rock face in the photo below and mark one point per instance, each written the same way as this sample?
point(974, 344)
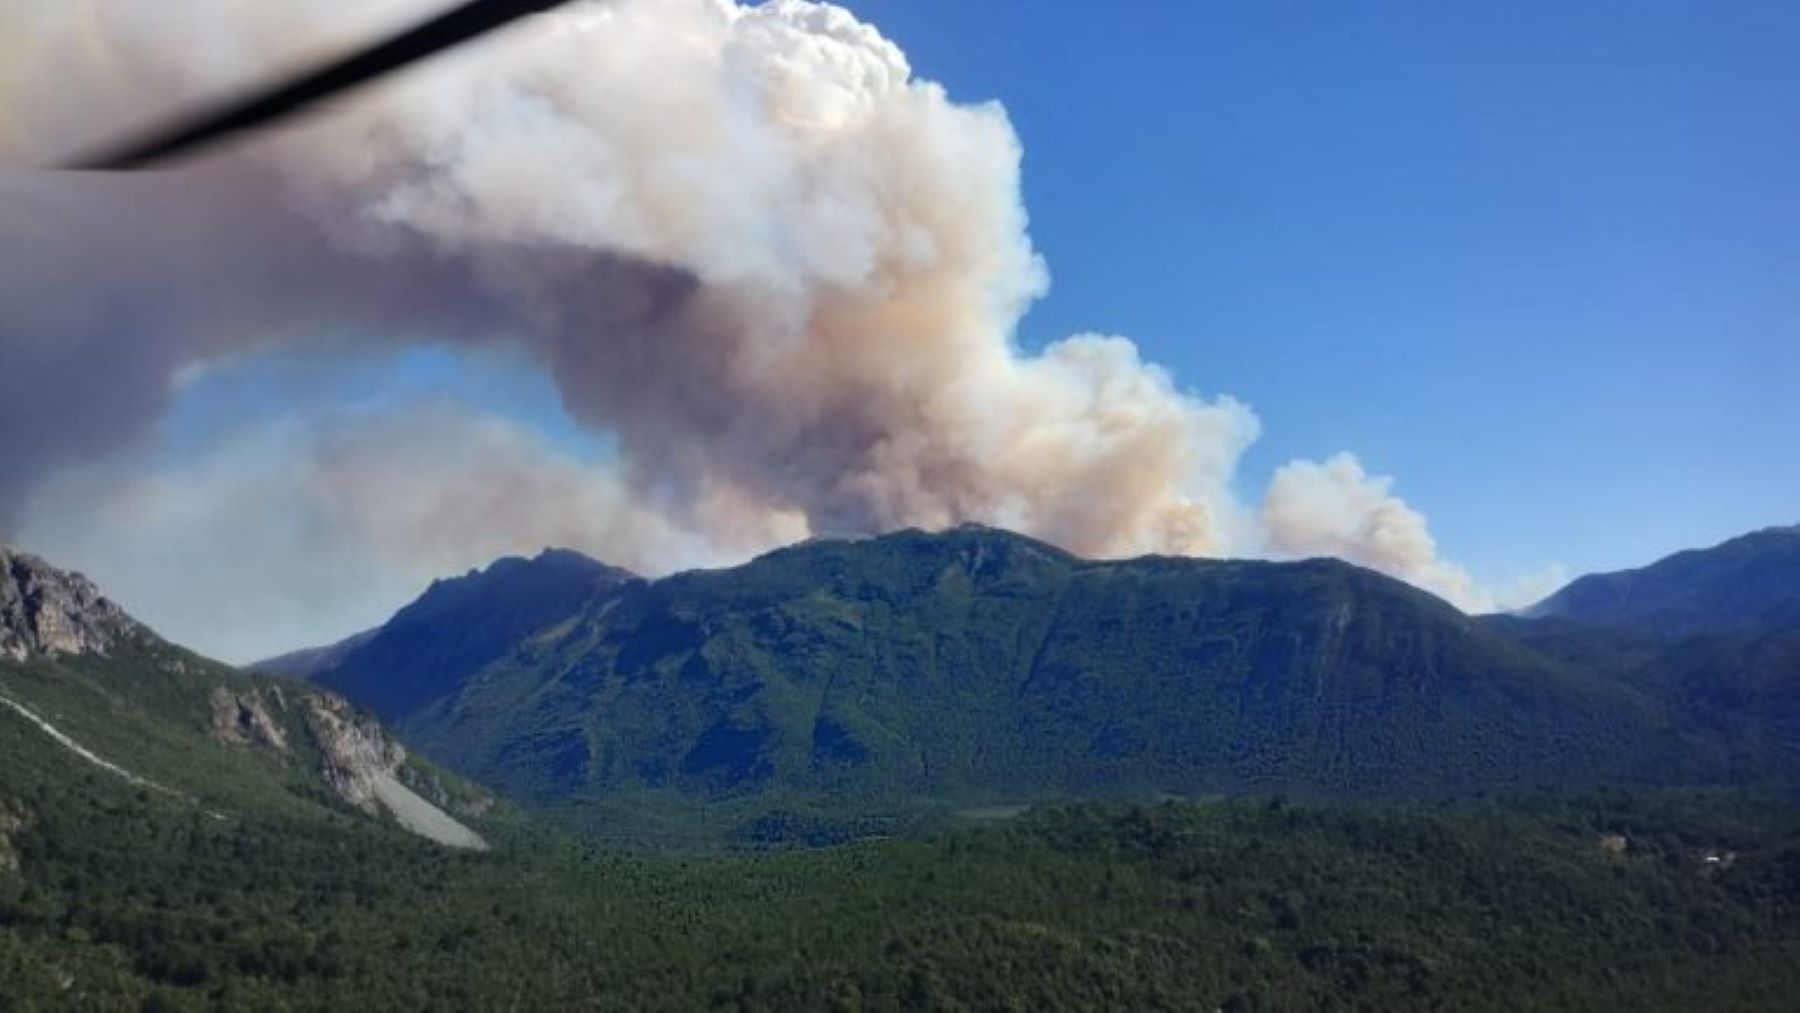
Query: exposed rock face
point(368, 770)
point(244, 719)
point(49, 612)
point(10, 824)
point(357, 751)
point(473, 808)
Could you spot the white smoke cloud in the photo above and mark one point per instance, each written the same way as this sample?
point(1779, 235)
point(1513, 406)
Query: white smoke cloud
point(1338, 509)
point(784, 273)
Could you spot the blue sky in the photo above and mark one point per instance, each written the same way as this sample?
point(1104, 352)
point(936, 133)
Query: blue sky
point(1539, 261)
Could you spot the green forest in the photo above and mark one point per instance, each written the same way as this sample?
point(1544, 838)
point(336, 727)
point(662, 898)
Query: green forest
point(221, 863)
point(120, 898)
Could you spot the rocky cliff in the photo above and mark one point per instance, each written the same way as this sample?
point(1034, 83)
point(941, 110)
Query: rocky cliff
point(48, 612)
point(358, 753)
point(245, 718)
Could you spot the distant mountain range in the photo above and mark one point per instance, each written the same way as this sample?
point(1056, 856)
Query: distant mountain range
point(1712, 634)
point(836, 683)
point(1750, 582)
point(839, 687)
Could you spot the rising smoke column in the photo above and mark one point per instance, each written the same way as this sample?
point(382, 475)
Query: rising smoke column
point(746, 241)
point(1338, 509)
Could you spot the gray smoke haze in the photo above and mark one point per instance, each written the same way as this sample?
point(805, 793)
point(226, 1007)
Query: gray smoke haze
point(297, 531)
point(784, 273)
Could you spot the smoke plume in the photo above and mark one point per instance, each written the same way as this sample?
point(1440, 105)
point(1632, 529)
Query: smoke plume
point(784, 273)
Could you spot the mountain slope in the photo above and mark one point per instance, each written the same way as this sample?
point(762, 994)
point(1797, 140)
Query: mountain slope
point(1749, 581)
point(457, 627)
point(85, 690)
point(308, 662)
point(1732, 698)
point(244, 882)
point(1712, 634)
point(862, 678)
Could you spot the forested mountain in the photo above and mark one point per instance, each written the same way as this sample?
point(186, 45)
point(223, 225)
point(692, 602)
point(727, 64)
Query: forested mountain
point(310, 661)
point(1712, 635)
point(860, 679)
point(178, 835)
point(458, 626)
point(1748, 582)
point(1731, 697)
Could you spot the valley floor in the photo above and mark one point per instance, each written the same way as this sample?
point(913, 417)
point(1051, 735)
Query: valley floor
point(121, 898)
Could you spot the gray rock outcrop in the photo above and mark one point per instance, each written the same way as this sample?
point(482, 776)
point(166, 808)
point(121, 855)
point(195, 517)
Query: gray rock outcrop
point(357, 751)
point(10, 823)
point(366, 768)
point(46, 612)
point(244, 719)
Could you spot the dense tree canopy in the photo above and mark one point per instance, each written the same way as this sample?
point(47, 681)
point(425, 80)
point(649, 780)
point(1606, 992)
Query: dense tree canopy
point(126, 898)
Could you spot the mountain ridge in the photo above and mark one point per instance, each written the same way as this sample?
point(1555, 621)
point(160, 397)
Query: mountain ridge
point(259, 891)
point(867, 676)
point(460, 623)
point(1749, 580)
point(309, 661)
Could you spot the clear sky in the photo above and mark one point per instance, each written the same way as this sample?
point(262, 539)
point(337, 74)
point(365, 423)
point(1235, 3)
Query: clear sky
point(1538, 260)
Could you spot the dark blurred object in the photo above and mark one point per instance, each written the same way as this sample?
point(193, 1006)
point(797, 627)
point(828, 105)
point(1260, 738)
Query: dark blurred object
point(453, 28)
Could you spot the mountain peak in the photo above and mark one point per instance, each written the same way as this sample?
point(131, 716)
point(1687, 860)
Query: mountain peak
point(1745, 579)
point(551, 559)
point(45, 611)
point(1776, 534)
point(459, 624)
point(963, 537)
